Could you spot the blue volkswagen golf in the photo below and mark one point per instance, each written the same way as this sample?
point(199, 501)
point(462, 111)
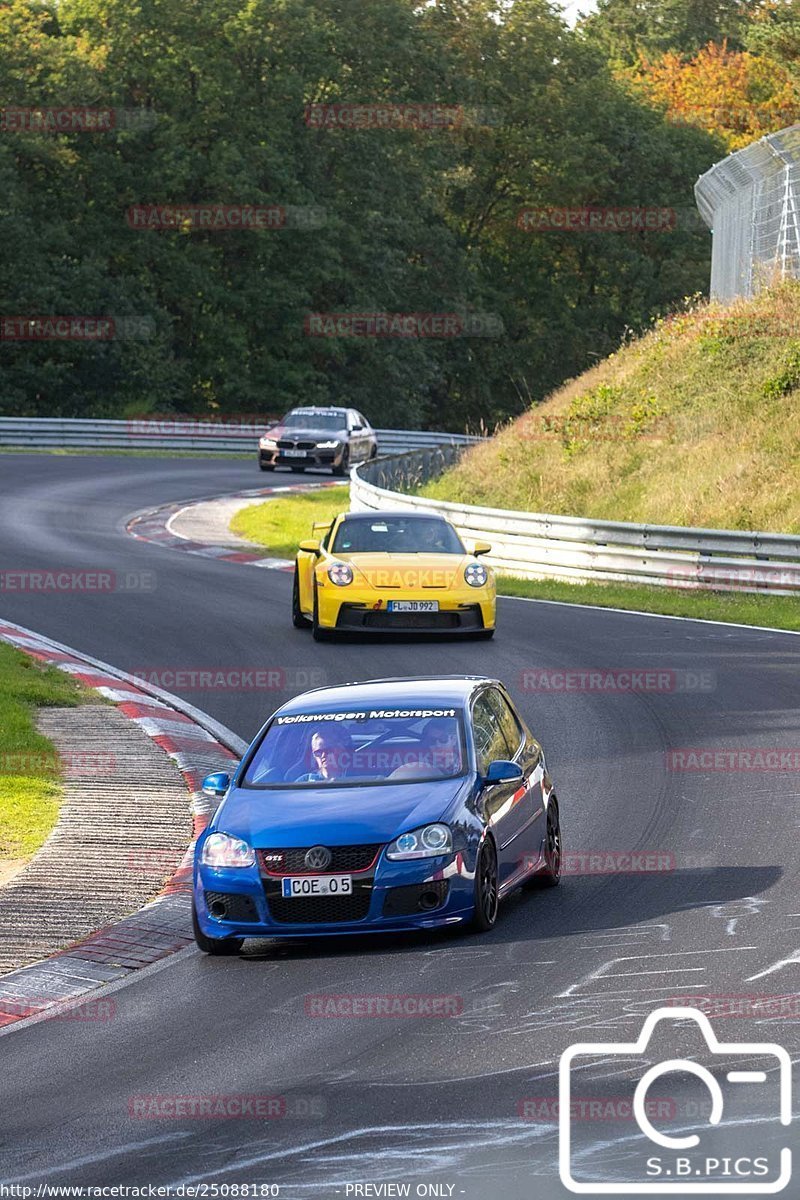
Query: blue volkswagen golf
point(396, 804)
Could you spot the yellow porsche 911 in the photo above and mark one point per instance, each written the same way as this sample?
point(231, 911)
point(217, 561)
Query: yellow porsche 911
point(374, 572)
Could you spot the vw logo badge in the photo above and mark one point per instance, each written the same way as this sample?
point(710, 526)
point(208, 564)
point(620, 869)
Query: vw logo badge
point(318, 858)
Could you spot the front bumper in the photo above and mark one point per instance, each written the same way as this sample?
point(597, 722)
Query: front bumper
point(310, 458)
point(386, 898)
point(358, 610)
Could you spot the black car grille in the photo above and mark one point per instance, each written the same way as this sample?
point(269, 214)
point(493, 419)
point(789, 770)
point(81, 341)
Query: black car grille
point(231, 906)
point(352, 616)
point(307, 910)
point(292, 861)
point(415, 898)
point(289, 444)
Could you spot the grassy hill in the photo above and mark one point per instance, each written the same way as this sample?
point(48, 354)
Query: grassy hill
point(695, 423)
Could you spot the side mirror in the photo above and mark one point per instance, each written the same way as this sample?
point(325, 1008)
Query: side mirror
point(311, 545)
point(502, 770)
point(356, 429)
point(216, 784)
point(482, 548)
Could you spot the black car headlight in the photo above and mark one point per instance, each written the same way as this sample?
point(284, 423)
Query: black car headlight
point(427, 842)
point(340, 573)
point(476, 574)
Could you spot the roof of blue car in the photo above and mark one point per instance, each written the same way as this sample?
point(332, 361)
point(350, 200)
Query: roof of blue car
point(428, 691)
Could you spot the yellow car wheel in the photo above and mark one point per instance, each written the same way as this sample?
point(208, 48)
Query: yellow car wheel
point(299, 619)
point(318, 632)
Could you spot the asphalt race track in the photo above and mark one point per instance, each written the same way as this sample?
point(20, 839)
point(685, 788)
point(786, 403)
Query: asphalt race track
point(415, 1100)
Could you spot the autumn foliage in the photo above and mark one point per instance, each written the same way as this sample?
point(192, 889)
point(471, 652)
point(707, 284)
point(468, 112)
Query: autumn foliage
point(734, 94)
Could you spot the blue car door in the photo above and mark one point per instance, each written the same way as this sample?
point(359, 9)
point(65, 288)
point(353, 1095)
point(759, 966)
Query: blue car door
point(530, 818)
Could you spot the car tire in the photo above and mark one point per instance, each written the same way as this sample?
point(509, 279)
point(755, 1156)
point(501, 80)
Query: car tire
point(373, 453)
point(550, 877)
point(344, 466)
point(486, 888)
point(299, 619)
point(318, 632)
point(217, 946)
point(267, 466)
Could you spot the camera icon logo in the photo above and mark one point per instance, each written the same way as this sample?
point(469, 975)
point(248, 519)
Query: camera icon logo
point(683, 1167)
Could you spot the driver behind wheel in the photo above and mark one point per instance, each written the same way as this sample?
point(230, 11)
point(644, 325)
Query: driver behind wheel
point(332, 751)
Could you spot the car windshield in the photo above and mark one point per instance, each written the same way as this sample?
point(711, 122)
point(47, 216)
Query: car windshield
point(303, 419)
point(397, 535)
point(356, 748)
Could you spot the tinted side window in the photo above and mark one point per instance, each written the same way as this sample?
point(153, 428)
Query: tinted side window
point(490, 742)
point(507, 721)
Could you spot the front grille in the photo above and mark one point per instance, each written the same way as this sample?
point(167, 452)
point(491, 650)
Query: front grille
point(412, 620)
point(318, 910)
point(292, 860)
point(405, 901)
point(352, 616)
point(236, 906)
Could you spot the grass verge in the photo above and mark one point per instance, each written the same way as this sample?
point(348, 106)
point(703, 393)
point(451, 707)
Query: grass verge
point(778, 612)
point(280, 524)
point(30, 770)
point(696, 423)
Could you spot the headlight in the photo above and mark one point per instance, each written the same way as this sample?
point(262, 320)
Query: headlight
point(222, 850)
point(340, 573)
point(267, 443)
point(327, 445)
point(421, 843)
point(476, 574)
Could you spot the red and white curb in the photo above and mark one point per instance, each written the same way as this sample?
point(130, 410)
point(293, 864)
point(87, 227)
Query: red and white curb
point(153, 525)
point(197, 744)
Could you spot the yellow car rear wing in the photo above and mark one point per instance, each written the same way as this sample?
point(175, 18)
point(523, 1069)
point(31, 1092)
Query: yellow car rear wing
point(322, 525)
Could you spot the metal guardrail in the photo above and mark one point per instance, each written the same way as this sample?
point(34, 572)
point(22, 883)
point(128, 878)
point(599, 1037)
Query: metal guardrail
point(751, 201)
point(223, 437)
point(545, 546)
